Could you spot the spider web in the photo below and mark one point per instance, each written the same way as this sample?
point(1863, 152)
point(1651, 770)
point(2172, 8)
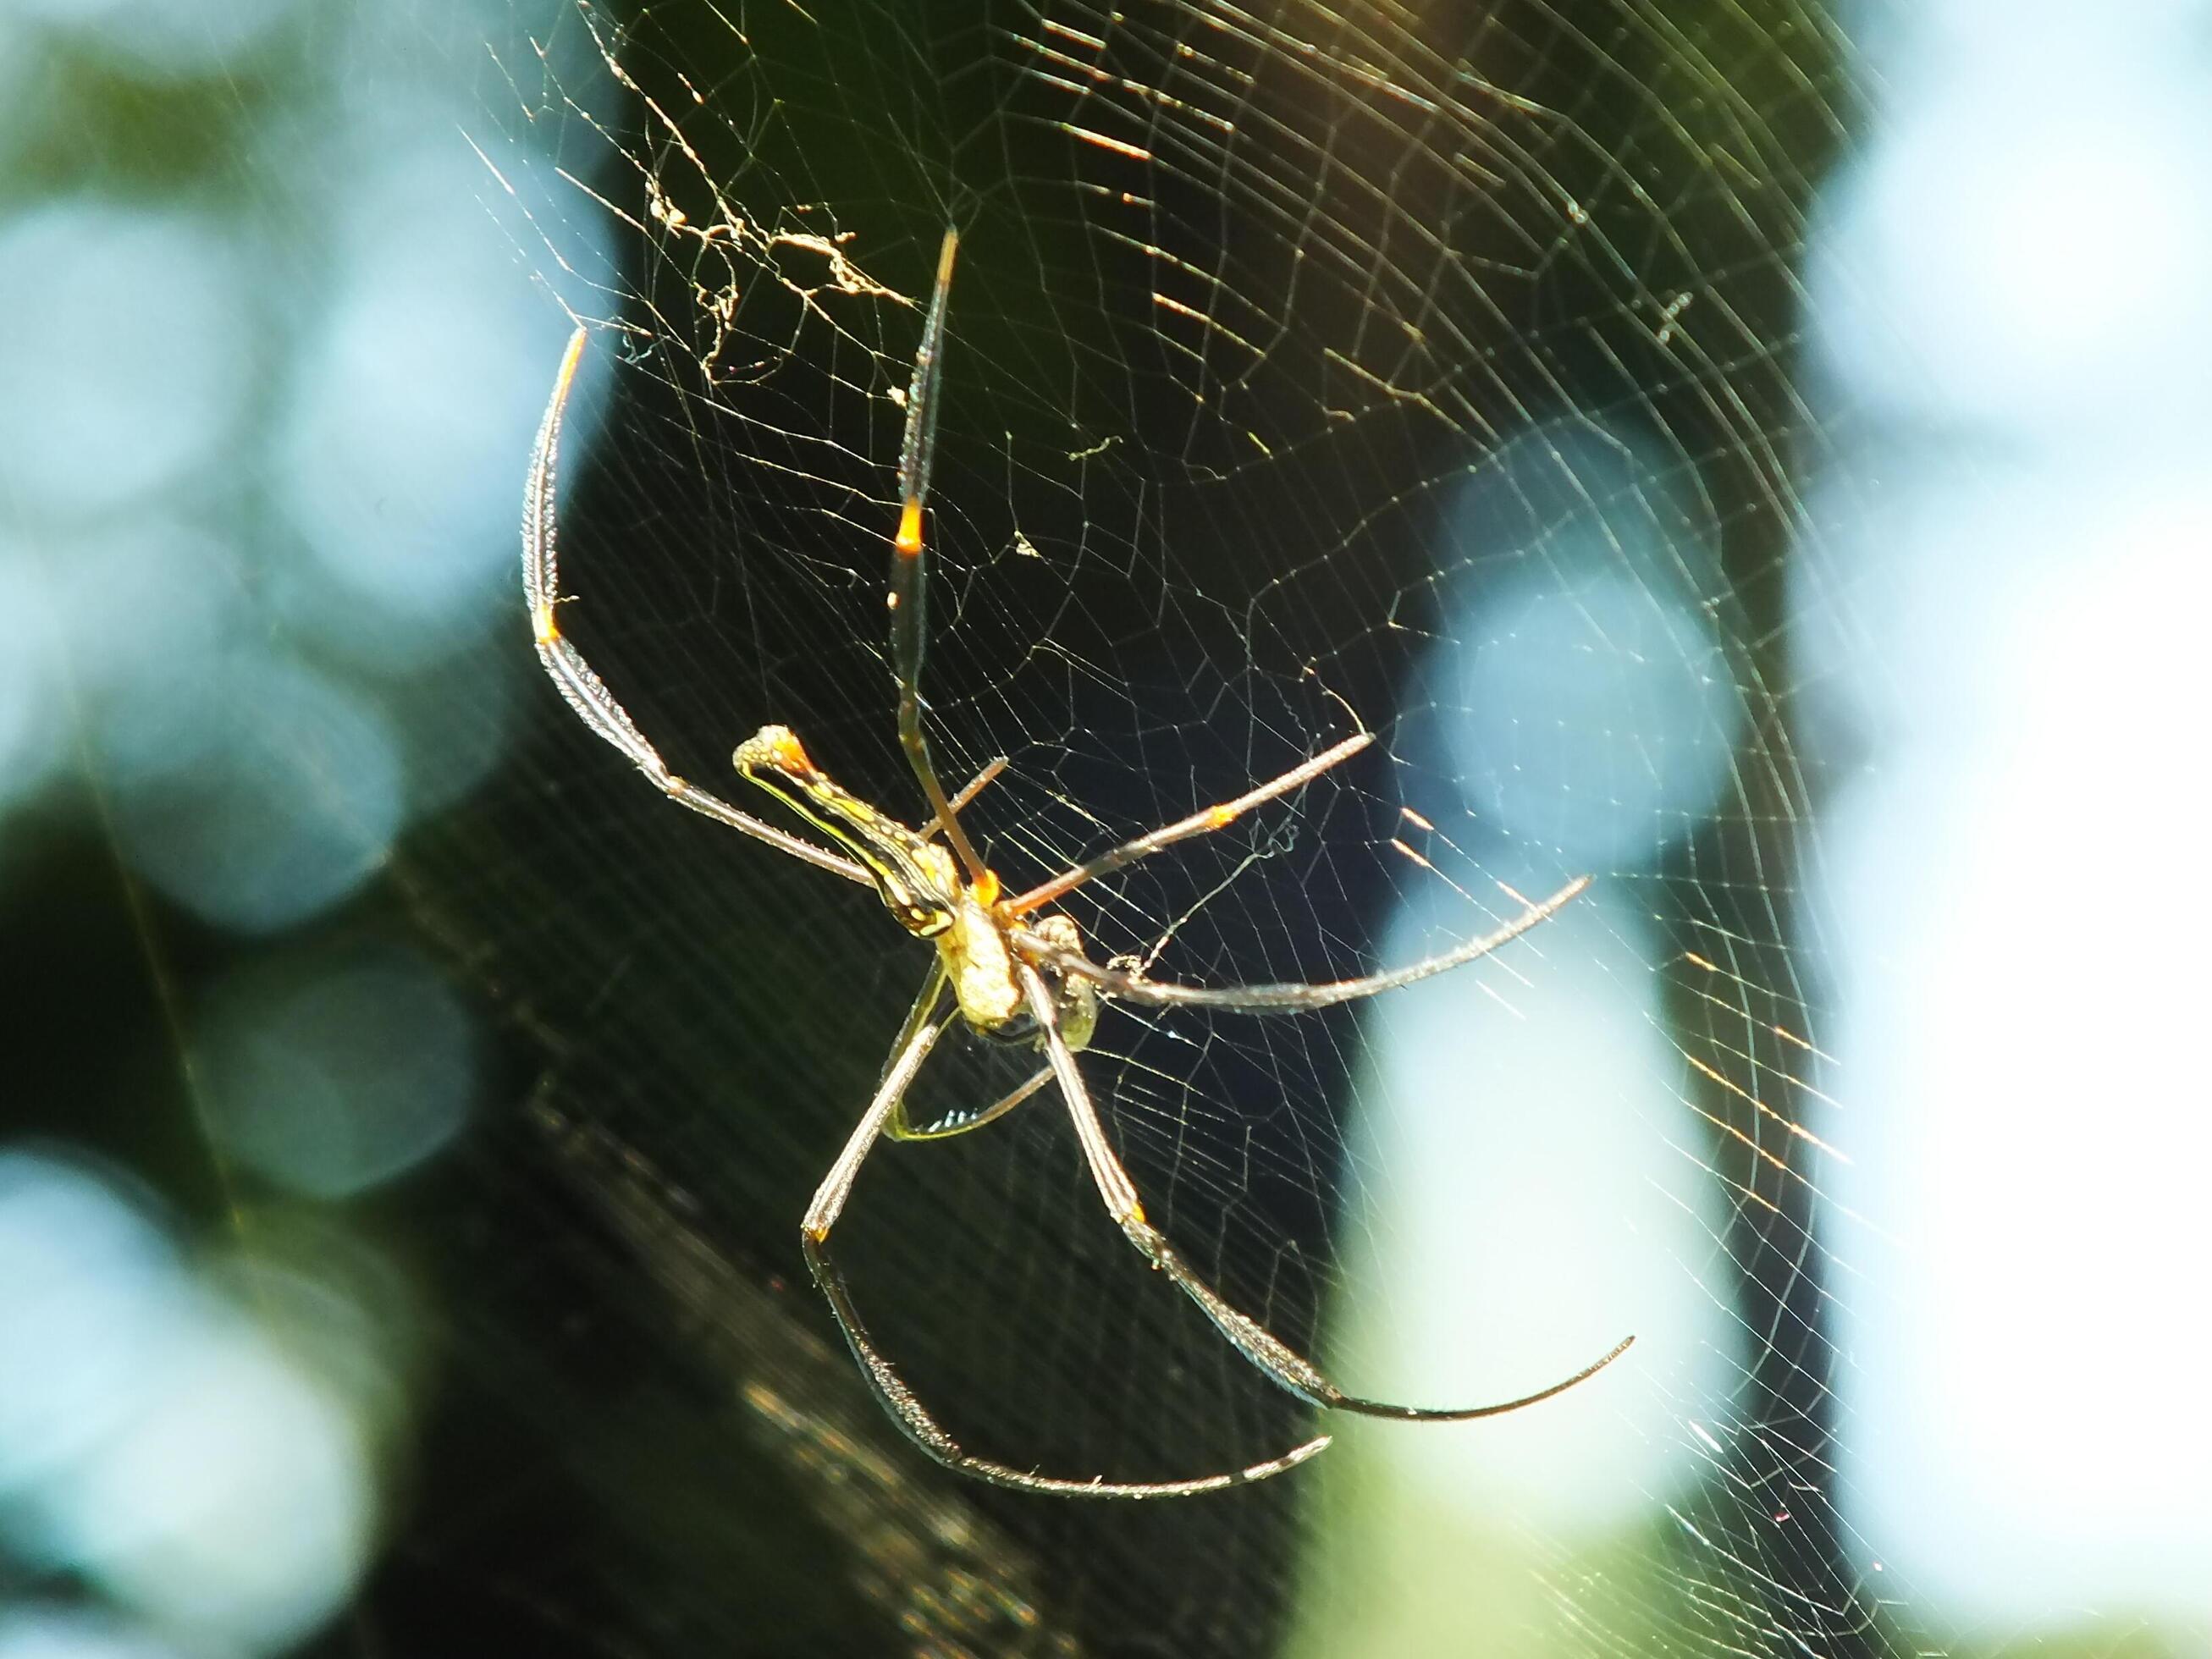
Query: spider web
point(1310, 371)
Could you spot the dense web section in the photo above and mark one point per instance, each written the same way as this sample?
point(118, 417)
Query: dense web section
point(1310, 371)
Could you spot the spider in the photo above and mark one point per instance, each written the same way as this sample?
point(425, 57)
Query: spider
point(1016, 972)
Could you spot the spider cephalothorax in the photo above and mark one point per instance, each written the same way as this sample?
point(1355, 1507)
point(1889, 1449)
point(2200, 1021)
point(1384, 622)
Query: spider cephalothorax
point(921, 885)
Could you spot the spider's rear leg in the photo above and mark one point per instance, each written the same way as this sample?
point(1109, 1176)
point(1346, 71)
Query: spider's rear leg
point(1126, 984)
point(1281, 1364)
point(899, 1126)
point(923, 1026)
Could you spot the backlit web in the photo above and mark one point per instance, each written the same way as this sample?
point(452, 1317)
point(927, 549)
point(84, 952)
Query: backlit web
point(1311, 371)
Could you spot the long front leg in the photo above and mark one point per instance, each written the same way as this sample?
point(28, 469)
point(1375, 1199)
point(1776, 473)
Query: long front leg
point(582, 689)
point(908, 595)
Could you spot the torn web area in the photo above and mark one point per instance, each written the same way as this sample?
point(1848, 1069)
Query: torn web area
point(1307, 374)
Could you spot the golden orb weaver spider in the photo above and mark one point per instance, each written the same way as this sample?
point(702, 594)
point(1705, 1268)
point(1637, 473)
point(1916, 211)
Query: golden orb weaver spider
point(1014, 974)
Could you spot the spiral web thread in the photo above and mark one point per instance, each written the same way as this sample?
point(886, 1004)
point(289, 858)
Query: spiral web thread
point(1309, 371)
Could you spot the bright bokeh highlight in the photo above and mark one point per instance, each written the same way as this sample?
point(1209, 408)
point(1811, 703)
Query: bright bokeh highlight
point(333, 1076)
point(163, 1447)
point(2007, 638)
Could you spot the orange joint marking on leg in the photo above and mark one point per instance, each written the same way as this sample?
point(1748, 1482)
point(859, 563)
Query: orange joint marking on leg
point(985, 887)
point(789, 753)
point(1220, 818)
point(908, 540)
point(542, 625)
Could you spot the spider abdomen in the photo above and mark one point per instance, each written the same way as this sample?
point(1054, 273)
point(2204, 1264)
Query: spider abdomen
point(980, 967)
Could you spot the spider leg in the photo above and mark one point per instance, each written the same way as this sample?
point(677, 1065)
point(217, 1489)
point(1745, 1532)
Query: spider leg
point(915, 1040)
point(1284, 999)
point(973, 787)
point(907, 598)
point(898, 1127)
point(584, 690)
point(1198, 823)
point(1283, 1365)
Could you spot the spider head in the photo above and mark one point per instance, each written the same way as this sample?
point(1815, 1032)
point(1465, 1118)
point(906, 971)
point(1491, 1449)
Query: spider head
point(778, 748)
point(918, 881)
